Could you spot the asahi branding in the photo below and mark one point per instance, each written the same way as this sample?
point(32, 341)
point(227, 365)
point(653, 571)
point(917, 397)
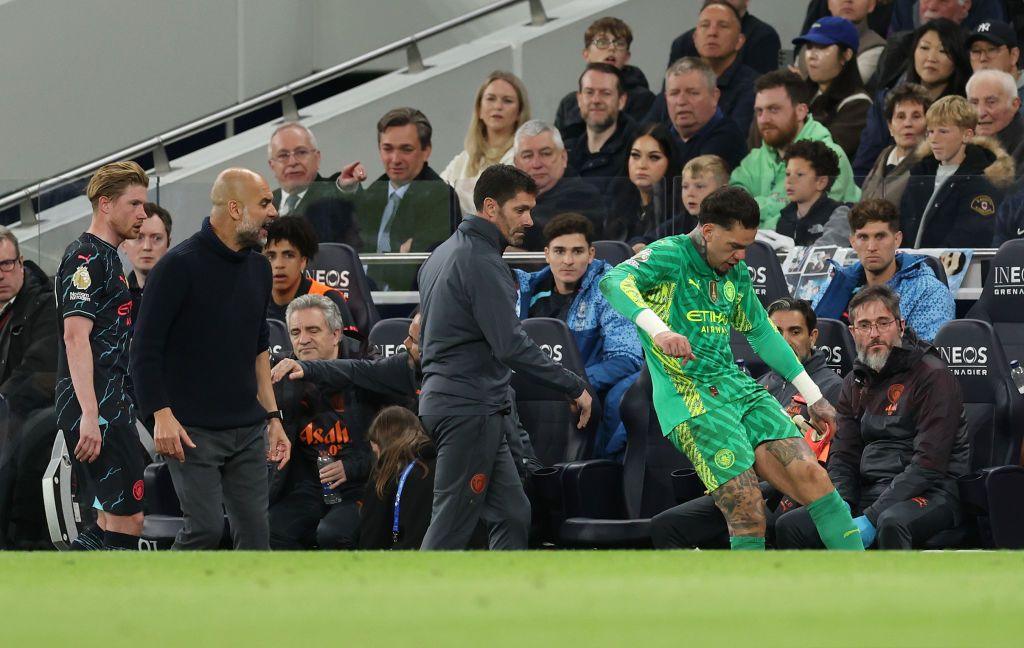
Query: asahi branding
point(966, 360)
point(1008, 281)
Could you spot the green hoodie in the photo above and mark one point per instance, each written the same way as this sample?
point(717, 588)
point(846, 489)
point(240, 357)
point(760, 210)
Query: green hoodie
point(763, 174)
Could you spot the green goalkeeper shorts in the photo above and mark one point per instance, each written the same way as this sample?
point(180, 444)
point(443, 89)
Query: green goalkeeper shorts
point(720, 443)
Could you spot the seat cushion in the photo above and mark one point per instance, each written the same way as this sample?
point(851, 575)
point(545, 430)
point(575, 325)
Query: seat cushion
point(606, 534)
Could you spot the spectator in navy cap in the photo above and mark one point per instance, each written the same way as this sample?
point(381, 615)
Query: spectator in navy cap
point(839, 101)
point(993, 45)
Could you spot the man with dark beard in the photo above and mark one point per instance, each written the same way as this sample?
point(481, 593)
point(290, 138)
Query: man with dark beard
point(599, 155)
point(901, 437)
point(782, 116)
point(471, 342)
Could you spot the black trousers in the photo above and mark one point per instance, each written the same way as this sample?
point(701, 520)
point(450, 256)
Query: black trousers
point(906, 525)
point(301, 520)
point(475, 479)
point(699, 524)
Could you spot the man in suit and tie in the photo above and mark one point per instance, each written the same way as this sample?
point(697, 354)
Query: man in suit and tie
point(295, 162)
point(409, 208)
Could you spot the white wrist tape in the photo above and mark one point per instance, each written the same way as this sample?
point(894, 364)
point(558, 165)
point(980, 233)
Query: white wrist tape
point(807, 388)
point(651, 323)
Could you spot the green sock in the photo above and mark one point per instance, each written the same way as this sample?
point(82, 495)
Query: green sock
point(746, 543)
point(835, 526)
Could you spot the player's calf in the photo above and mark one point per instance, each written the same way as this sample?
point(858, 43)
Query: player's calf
point(741, 503)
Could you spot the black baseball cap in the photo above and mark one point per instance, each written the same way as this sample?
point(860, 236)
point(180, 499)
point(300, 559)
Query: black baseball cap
point(995, 32)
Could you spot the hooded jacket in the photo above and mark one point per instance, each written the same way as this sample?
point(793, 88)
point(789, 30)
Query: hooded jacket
point(639, 98)
point(963, 212)
point(763, 173)
point(901, 432)
point(925, 302)
point(28, 344)
point(607, 341)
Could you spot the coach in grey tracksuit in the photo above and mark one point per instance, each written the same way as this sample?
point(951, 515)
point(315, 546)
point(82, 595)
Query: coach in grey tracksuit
point(471, 340)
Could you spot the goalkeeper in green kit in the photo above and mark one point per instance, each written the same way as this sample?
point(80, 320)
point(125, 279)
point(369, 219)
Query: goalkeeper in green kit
point(685, 293)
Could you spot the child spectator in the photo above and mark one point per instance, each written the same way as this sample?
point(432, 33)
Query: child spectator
point(811, 217)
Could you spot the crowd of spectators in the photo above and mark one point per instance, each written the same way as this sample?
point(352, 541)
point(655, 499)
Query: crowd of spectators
point(895, 125)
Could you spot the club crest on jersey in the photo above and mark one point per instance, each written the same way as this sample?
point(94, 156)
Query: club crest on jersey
point(639, 257)
point(713, 291)
point(81, 278)
point(729, 291)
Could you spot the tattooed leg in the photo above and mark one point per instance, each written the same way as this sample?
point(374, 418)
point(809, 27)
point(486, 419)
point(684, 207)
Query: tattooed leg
point(790, 466)
point(741, 503)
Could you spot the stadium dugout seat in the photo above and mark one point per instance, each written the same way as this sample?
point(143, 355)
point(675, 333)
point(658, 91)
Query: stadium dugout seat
point(388, 336)
point(993, 494)
point(835, 339)
point(1002, 299)
point(769, 284)
point(612, 252)
point(606, 504)
point(546, 413)
point(280, 341)
point(338, 266)
point(937, 268)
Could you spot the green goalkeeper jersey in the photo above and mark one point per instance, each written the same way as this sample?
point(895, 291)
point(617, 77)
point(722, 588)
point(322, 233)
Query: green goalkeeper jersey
point(671, 278)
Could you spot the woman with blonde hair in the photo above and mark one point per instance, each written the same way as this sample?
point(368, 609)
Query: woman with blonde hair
point(501, 106)
point(400, 492)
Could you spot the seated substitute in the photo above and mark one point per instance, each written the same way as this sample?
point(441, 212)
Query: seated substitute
point(730, 427)
point(321, 424)
point(812, 217)
point(698, 523)
point(567, 289)
point(291, 243)
point(901, 441)
point(925, 301)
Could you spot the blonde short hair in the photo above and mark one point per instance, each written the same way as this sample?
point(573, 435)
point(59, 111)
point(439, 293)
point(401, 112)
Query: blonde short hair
point(952, 110)
point(111, 180)
point(712, 164)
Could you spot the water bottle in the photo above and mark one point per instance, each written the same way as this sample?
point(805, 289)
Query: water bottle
point(322, 461)
point(742, 366)
point(1017, 373)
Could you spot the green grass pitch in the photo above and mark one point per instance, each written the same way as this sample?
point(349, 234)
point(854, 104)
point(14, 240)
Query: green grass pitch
point(585, 598)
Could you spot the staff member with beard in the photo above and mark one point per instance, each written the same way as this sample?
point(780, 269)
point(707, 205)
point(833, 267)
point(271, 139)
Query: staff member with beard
point(472, 340)
point(901, 437)
point(200, 362)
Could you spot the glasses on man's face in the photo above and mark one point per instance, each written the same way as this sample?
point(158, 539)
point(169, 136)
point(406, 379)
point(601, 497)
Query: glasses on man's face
point(882, 325)
point(606, 43)
point(6, 265)
point(300, 155)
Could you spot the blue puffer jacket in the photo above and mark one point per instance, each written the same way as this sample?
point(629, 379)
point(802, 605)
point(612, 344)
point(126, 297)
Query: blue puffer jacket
point(925, 302)
point(607, 341)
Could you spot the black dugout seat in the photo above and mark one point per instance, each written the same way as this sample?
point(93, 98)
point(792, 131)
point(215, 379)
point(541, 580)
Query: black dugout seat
point(612, 252)
point(338, 266)
point(280, 341)
point(766, 273)
point(994, 492)
point(546, 413)
point(388, 336)
point(835, 339)
point(1002, 299)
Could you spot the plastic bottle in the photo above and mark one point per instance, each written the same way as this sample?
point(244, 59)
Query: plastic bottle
point(742, 366)
point(322, 461)
point(1017, 373)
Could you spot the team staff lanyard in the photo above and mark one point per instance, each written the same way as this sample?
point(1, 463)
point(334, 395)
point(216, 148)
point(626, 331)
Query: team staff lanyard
point(398, 500)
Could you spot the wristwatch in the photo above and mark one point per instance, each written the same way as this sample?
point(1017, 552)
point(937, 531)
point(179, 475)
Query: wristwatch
point(276, 414)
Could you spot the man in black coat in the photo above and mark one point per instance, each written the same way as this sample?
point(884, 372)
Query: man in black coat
point(295, 162)
point(760, 50)
point(901, 437)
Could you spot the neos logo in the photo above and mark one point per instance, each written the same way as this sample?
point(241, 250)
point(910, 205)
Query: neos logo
point(333, 278)
point(833, 354)
point(966, 360)
point(275, 349)
point(758, 277)
point(1008, 280)
point(388, 350)
point(554, 352)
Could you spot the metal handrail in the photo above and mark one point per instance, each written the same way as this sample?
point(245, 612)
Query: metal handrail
point(285, 94)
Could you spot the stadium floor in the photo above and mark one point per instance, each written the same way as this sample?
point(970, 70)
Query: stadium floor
point(585, 598)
